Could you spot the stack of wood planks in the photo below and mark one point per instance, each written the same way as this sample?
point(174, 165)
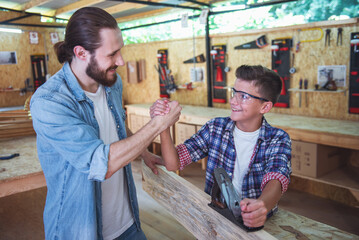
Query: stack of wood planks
point(15, 124)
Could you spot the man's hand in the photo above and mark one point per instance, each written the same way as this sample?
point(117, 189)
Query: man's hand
point(151, 160)
point(160, 108)
point(167, 119)
point(254, 212)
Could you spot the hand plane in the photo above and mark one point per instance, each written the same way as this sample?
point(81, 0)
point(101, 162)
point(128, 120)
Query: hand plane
point(230, 207)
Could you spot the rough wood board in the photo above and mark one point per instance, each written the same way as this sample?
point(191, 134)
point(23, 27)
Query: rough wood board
point(189, 205)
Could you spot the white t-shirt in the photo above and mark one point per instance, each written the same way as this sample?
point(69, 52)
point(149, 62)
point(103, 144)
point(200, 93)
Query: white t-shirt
point(244, 143)
point(116, 211)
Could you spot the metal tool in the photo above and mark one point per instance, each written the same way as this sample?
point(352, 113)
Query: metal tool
point(292, 70)
point(340, 36)
point(300, 93)
point(226, 200)
point(327, 37)
point(306, 87)
point(9, 156)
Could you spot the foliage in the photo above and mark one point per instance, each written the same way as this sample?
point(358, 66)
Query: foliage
point(294, 12)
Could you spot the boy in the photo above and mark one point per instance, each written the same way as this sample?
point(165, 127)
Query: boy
point(254, 154)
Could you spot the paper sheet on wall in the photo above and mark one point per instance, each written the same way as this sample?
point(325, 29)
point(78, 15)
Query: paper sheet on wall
point(335, 72)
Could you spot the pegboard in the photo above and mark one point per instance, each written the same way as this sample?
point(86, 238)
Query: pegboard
point(219, 75)
point(354, 74)
point(281, 65)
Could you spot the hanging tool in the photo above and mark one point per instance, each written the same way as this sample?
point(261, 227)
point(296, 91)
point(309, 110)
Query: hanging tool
point(230, 207)
point(260, 42)
point(292, 70)
point(355, 43)
point(306, 87)
point(275, 49)
point(197, 59)
point(327, 37)
point(219, 75)
point(309, 40)
point(340, 37)
point(300, 93)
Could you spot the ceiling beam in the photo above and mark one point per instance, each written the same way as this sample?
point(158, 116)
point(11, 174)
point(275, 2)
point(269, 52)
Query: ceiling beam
point(159, 4)
point(33, 3)
point(77, 5)
point(142, 15)
point(122, 7)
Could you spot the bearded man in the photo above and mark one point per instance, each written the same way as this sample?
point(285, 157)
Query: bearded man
point(83, 144)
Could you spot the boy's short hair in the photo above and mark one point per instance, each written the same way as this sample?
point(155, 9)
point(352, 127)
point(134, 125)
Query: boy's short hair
point(267, 81)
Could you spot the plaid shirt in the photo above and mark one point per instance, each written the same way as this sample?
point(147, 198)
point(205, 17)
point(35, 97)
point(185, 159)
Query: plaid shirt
point(270, 159)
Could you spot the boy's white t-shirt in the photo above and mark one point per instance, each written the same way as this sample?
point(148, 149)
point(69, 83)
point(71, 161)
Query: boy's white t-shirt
point(116, 211)
point(244, 143)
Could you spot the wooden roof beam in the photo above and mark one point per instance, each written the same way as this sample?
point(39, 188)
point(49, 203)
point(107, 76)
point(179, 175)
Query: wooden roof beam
point(33, 3)
point(77, 5)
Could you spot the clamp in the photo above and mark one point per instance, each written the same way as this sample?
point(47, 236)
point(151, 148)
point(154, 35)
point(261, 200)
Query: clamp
point(340, 36)
point(327, 37)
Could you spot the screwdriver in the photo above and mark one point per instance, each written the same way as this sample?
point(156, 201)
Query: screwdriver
point(300, 93)
point(306, 87)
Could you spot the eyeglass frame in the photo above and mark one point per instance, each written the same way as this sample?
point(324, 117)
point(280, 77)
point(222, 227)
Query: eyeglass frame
point(252, 96)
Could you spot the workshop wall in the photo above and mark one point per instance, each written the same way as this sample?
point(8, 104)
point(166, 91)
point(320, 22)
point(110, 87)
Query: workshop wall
point(15, 74)
point(331, 105)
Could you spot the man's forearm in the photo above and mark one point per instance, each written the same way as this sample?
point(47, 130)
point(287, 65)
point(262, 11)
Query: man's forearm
point(126, 150)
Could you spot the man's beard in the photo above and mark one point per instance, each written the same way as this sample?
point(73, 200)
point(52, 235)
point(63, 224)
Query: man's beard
point(93, 70)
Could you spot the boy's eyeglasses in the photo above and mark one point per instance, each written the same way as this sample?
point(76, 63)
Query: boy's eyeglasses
point(244, 97)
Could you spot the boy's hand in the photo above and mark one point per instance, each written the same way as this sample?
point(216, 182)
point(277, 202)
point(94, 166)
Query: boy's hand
point(254, 212)
point(160, 108)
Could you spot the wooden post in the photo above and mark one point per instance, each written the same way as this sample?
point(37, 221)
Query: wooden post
point(189, 205)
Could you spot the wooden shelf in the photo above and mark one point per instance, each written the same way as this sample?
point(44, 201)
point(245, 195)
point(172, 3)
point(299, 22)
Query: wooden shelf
point(344, 177)
point(316, 91)
point(341, 185)
point(10, 90)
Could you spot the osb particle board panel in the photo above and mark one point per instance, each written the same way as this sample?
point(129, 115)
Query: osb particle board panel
point(15, 75)
point(148, 90)
point(307, 60)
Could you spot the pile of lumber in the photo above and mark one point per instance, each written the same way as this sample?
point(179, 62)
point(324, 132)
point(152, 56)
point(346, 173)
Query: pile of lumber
point(15, 123)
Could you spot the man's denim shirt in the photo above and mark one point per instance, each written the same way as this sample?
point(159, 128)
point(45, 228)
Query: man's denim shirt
point(73, 157)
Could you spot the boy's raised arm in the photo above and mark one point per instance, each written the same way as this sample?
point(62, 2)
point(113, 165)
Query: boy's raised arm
point(168, 150)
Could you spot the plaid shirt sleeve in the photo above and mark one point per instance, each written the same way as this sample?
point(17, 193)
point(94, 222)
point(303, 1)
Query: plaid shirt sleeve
point(184, 156)
point(194, 148)
point(279, 167)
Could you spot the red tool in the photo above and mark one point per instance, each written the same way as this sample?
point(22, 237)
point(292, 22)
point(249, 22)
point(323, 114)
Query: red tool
point(219, 77)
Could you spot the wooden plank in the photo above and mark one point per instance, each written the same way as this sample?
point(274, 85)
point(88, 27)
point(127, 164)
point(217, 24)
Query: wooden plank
point(286, 225)
point(189, 205)
point(76, 5)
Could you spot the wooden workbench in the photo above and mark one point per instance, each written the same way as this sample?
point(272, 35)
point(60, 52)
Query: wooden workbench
point(330, 132)
point(21, 173)
point(338, 185)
